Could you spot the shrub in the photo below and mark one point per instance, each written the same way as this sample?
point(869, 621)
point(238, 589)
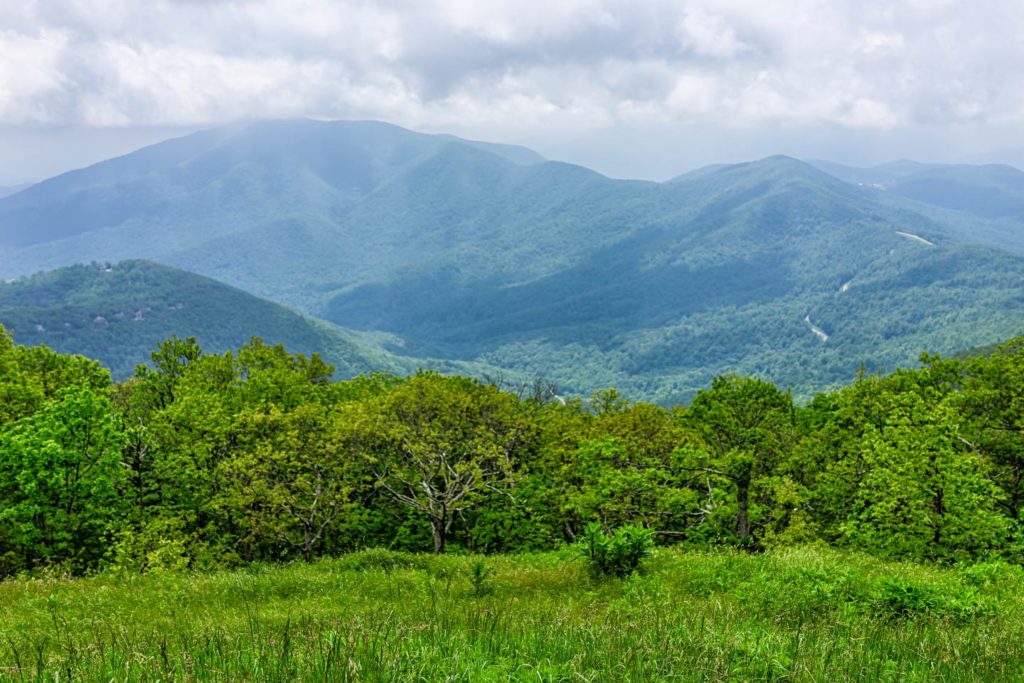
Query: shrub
point(616, 554)
point(380, 558)
point(480, 574)
point(904, 599)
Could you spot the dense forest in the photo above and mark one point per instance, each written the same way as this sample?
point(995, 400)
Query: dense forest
point(214, 460)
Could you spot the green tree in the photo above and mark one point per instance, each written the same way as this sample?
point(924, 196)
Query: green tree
point(60, 482)
point(748, 426)
point(214, 447)
point(436, 444)
point(625, 470)
point(992, 402)
point(288, 483)
point(19, 396)
point(923, 493)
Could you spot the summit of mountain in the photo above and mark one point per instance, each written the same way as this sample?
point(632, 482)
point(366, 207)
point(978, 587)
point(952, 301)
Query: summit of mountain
point(336, 162)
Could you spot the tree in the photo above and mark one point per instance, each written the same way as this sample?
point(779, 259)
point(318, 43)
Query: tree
point(60, 482)
point(435, 444)
point(19, 396)
point(891, 472)
point(218, 455)
point(286, 481)
point(922, 493)
point(747, 425)
point(170, 362)
point(625, 470)
point(992, 402)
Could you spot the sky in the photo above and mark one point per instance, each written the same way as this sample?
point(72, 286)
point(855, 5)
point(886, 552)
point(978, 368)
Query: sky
point(637, 88)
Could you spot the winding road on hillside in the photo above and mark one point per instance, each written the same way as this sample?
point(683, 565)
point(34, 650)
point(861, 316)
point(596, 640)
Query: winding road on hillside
point(843, 288)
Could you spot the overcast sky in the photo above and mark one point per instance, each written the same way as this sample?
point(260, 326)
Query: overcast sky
point(632, 88)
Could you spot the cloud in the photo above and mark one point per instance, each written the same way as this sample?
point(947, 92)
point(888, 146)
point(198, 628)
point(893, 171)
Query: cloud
point(708, 35)
point(513, 64)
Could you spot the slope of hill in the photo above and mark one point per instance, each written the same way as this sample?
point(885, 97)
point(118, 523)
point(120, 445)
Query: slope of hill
point(8, 190)
point(982, 204)
point(482, 254)
point(989, 191)
point(118, 313)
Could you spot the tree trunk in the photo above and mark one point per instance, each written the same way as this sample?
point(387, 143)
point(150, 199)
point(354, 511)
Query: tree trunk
point(439, 536)
point(743, 511)
point(307, 545)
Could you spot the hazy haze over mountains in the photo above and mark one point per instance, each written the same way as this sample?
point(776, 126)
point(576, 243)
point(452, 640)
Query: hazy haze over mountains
point(644, 90)
point(480, 253)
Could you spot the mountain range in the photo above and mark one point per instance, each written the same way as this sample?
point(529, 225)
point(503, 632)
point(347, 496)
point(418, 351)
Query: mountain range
point(433, 250)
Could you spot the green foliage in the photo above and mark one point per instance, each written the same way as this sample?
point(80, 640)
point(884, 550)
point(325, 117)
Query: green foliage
point(992, 401)
point(203, 460)
point(748, 426)
point(380, 558)
point(900, 478)
point(60, 482)
point(435, 444)
point(904, 599)
point(480, 574)
point(617, 554)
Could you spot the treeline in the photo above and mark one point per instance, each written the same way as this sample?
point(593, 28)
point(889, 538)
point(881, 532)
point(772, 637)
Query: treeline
point(205, 461)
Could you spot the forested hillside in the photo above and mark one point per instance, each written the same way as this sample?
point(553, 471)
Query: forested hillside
point(469, 253)
point(212, 460)
point(117, 313)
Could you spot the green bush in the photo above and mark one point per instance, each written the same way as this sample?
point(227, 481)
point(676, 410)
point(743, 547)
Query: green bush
point(617, 554)
point(380, 558)
point(480, 574)
point(904, 599)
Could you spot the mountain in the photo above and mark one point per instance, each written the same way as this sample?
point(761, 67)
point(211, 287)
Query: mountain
point(985, 203)
point(989, 191)
point(118, 313)
point(6, 191)
point(464, 252)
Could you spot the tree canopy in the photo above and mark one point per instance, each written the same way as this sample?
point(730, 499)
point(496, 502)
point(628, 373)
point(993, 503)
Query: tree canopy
point(207, 460)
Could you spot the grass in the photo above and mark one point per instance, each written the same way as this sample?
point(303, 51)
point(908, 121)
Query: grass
point(799, 615)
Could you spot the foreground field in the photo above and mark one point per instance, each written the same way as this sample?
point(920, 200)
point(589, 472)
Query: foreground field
point(807, 614)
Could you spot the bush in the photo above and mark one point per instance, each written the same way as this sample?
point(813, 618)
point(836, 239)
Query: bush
point(480, 574)
point(903, 599)
point(617, 554)
point(380, 558)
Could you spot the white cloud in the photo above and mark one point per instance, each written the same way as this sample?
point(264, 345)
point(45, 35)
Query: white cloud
point(880, 42)
point(30, 75)
point(708, 35)
point(514, 65)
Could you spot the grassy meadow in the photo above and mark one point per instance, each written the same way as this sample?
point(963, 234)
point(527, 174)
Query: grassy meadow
point(804, 614)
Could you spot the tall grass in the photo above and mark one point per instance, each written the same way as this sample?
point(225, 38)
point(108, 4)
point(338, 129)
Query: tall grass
point(801, 615)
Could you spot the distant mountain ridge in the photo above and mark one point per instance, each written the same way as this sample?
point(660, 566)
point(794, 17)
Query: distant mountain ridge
point(983, 203)
point(473, 253)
